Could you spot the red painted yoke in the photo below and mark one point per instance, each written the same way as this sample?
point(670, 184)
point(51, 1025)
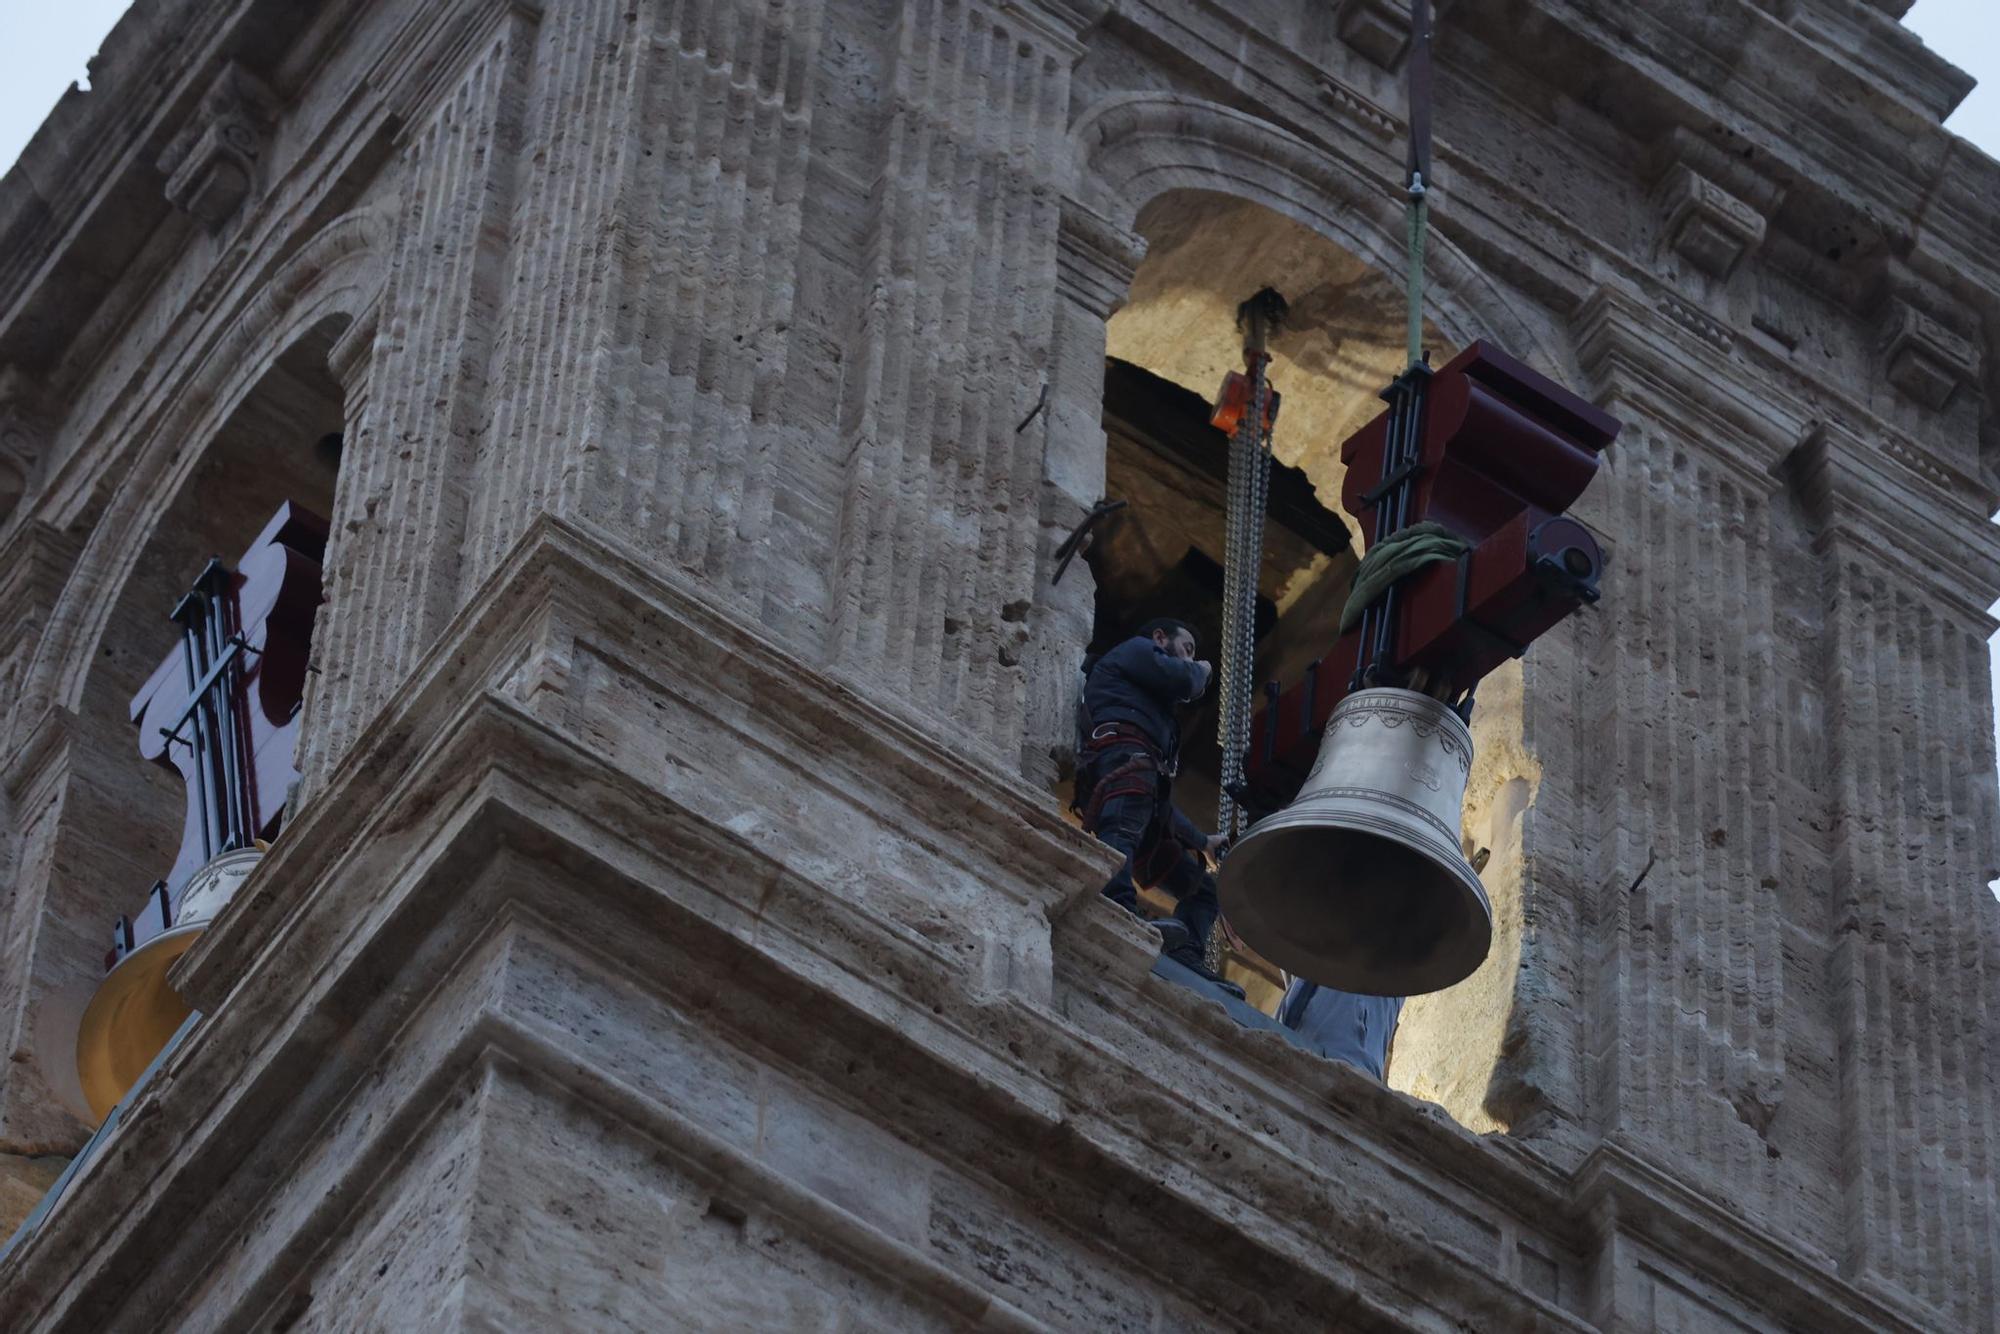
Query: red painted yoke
point(1505, 451)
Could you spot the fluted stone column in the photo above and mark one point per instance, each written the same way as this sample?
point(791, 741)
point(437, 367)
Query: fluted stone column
point(940, 514)
point(416, 380)
point(1913, 930)
point(1094, 264)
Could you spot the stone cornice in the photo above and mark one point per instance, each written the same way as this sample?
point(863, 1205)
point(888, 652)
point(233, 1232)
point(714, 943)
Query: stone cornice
point(1718, 387)
point(1868, 495)
point(1624, 1192)
point(1696, 65)
point(497, 642)
point(1671, 357)
point(1885, 174)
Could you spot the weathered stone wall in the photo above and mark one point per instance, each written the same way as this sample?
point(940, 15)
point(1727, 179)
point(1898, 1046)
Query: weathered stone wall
point(675, 922)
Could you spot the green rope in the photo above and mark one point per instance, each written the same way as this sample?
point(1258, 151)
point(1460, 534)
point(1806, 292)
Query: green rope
point(1402, 553)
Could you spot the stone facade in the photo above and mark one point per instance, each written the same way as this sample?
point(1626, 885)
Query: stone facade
point(677, 924)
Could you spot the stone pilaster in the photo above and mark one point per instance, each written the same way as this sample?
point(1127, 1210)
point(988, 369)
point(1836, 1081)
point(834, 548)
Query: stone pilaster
point(415, 378)
point(703, 383)
point(1094, 265)
point(562, 281)
point(940, 516)
point(1911, 807)
point(1679, 806)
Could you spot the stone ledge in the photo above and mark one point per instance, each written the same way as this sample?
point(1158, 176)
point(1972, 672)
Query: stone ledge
point(299, 1062)
point(1628, 1194)
point(301, 1022)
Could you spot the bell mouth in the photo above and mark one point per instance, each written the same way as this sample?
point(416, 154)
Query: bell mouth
point(1374, 911)
point(130, 1018)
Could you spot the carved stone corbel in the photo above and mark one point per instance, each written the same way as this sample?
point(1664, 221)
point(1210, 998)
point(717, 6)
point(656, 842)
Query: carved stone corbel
point(1715, 209)
point(1706, 225)
point(1924, 357)
point(212, 164)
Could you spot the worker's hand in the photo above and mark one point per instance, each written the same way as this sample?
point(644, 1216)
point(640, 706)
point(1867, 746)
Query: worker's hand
point(1216, 845)
point(1201, 688)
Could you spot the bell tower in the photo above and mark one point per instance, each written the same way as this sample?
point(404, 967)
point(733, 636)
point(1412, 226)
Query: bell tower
point(677, 920)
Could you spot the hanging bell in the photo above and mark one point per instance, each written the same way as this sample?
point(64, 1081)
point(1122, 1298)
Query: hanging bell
point(1360, 883)
point(134, 1011)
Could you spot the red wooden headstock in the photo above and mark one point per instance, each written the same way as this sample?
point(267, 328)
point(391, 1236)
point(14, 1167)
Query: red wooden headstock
point(1504, 450)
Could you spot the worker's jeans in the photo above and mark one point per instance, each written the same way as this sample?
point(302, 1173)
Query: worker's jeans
point(1123, 824)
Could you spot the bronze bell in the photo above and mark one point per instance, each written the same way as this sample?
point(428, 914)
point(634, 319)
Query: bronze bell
point(1360, 884)
point(134, 1011)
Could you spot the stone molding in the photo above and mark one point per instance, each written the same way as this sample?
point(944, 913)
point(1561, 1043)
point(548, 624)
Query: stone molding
point(1359, 110)
point(24, 431)
point(1095, 259)
point(1134, 147)
point(1925, 358)
point(1624, 1193)
point(1877, 498)
point(1705, 224)
point(1893, 173)
point(1701, 387)
point(1672, 358)
point(35, 562)
point(42, 746)
point(211, 165)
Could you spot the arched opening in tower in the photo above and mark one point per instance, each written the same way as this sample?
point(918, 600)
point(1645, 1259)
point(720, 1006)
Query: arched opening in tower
point(192, 660)
point(1169, 348)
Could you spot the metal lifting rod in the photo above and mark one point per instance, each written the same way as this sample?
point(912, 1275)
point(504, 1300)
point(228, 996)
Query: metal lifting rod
point(1403, 442)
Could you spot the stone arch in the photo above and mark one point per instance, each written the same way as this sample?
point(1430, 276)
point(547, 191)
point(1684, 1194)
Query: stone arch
point(1132, 150)
point(273, 359)
point(1134, 147)
point(336, 274)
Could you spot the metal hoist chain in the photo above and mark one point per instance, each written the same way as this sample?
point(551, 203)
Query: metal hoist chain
point(1249, 490)
point(1248, 497)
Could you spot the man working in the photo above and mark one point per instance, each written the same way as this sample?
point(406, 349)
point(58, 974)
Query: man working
point(1128, 750)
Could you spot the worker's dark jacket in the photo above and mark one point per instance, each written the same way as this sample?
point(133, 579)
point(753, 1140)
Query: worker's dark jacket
point(1139, 683)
